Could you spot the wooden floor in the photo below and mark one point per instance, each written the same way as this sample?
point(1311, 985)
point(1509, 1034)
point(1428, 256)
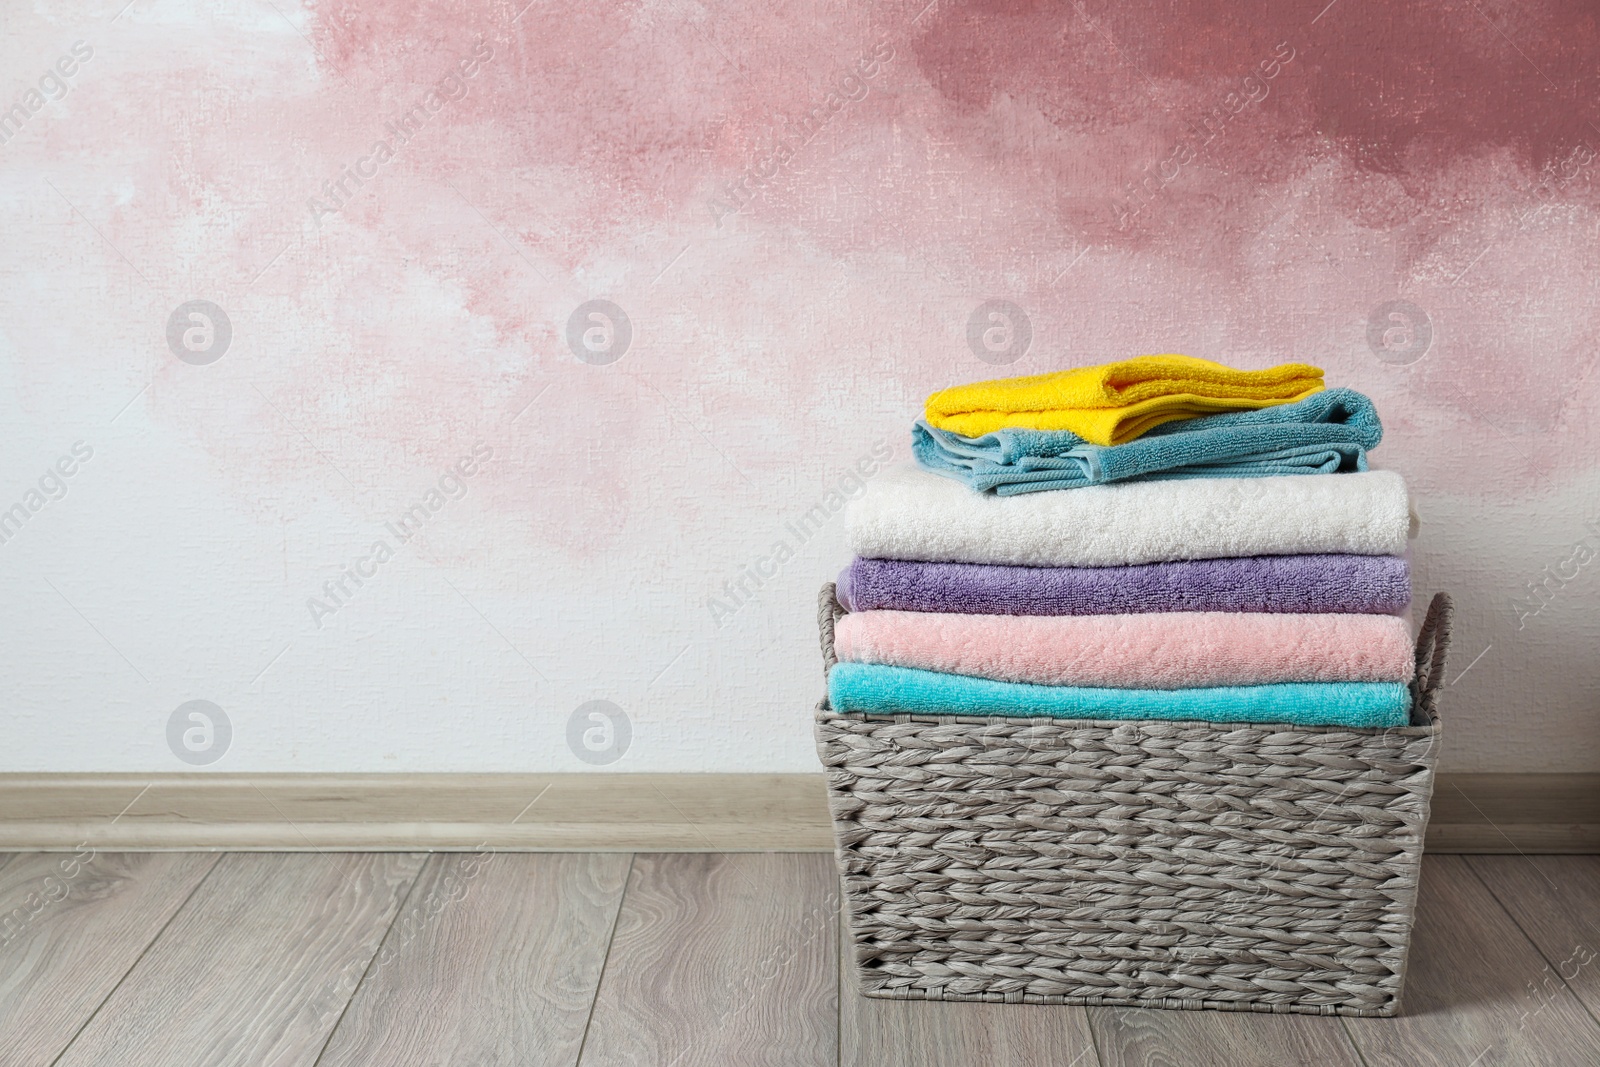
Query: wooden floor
point(276, 959)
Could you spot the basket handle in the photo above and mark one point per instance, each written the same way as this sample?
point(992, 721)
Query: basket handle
point(829, 611)
point(1433, 644)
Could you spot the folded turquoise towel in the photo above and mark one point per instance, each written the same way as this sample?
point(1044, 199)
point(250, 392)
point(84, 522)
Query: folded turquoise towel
point(880, 690)
point(1325, 433)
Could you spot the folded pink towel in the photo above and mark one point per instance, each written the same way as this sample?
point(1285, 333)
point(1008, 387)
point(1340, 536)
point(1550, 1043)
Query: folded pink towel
point(1158, 650)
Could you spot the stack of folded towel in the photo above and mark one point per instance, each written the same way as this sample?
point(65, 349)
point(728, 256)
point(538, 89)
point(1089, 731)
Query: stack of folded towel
point(1160, 538)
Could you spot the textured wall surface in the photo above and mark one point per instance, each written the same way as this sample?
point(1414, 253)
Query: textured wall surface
point(395, 217)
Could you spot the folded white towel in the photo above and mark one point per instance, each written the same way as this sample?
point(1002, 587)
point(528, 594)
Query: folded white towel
point(910, 513)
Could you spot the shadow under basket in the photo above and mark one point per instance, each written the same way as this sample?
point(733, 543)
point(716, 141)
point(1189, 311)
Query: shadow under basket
point(1157, 864)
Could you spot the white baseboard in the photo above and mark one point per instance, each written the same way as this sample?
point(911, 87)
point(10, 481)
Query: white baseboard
point(434, 812)
point(603, 812)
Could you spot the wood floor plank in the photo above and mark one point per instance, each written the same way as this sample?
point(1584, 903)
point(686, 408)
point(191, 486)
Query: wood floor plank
point(721, 959)
point(71, 925)
point(924, 1033)
point(494, 960)
point(1556, 901)
point(255, 968)
point(1473, 989)
point(1141, 1037)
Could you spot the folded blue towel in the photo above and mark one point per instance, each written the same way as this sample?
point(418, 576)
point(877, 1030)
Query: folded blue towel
point(879, 690)
point(1325, 433)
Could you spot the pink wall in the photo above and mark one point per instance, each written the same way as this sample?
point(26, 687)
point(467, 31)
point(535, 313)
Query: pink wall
point(798, 209)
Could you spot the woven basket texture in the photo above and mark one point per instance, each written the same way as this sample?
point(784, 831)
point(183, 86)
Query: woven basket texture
point(1237, 866)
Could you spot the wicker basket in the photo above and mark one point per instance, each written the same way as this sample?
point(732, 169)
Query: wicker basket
point(1246, 867)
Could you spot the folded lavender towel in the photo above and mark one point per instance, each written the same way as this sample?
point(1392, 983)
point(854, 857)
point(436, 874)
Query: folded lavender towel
point(1307, 583)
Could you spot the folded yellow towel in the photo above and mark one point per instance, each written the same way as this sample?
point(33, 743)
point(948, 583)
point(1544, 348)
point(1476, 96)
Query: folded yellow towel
point(1116, 402)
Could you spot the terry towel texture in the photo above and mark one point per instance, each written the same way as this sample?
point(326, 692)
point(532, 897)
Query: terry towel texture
point(1310, 583)
point(1325, 433)
point(1116, 402)
point(910, 513)
point(876, 690)
point(1168, 650)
